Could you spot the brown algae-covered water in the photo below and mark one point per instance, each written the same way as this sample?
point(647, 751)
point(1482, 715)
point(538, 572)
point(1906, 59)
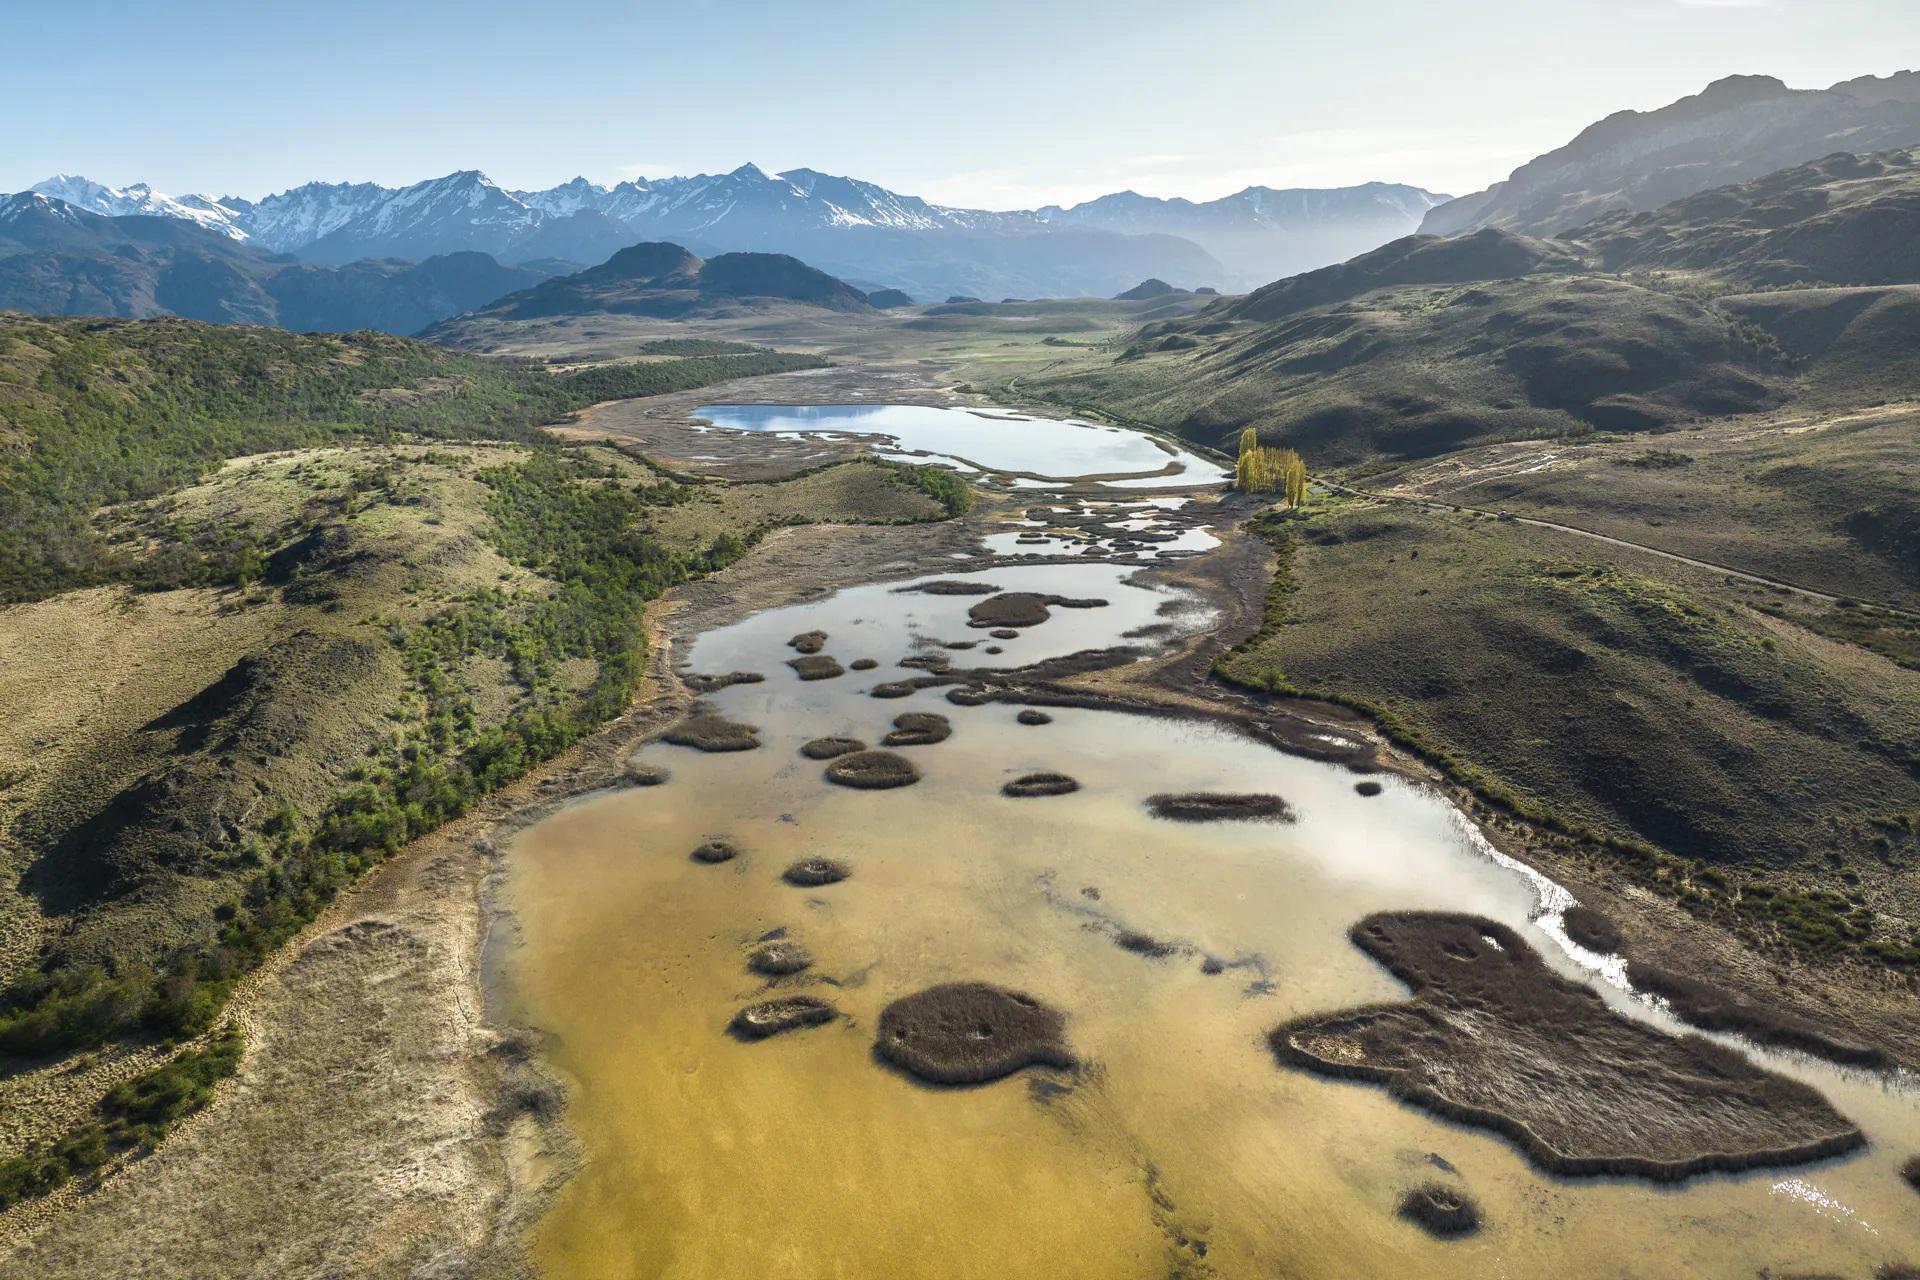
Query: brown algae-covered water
point(1178, 1145)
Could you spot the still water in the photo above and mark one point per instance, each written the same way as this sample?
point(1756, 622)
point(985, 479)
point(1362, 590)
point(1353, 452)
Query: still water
point(1180, 1147)
point(981, 440)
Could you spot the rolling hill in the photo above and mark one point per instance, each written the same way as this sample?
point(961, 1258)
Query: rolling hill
point(666, 281)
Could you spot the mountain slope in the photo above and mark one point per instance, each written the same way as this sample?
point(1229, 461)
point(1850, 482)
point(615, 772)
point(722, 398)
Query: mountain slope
point(1734, 130)
point(1844, 219)
point(58, 260)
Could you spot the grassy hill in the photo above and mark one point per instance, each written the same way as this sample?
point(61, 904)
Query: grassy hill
point(100, 412)
point(280, 603)
point(1765, 772)
point(1415, 369)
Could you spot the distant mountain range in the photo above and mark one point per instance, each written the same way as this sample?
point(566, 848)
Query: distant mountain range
point(1735, 130)
point(1261, 232)
point(851, 228)
point(56, 259)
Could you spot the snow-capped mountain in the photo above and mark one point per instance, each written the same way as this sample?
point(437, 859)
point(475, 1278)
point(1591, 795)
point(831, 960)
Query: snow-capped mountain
point(294, 219)
point(140, 199)
point(842, 225)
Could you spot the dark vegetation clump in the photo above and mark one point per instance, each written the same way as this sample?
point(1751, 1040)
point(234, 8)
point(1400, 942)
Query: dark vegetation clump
point(1030, 716)
point(1712, 1008)
point(1004, 633)
point(647, 775)
point(969, 695)
point(809, 641)
point(772, 1017)
point(1013, 609)
point(815, 666)
point(716, 851)
point(873, 771)
point(828, 748)
point(714, 683)
point(954, 587)
point(970, 1033)
point(894, 689)
point(918, 729)
point(1493, 1036)
point(862, 664)
point(706, 731)
point(1040, 784)
point(811, 873)
point(954, 494)
point(926, 662)
point(1220, 806)
point(1591, 930)
point(1442, 1210)
point(1145, 944)
point(133, 1116)
point(1368, 788)
point(779, 958)
point(1911, 1172)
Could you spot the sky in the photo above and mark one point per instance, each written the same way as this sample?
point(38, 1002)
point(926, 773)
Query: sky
point(984, 103)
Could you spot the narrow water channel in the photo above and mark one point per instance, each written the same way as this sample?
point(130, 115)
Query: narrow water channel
point(1180, 1146)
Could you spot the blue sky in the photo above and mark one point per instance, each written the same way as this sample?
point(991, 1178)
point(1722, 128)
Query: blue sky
point(999, 103)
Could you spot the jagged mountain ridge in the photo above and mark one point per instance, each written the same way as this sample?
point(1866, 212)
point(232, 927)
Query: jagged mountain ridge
point(1736, 129)
point(844, 225)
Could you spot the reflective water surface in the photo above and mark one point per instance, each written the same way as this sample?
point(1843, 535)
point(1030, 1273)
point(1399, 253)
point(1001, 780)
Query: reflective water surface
point(1180, 1147)
point(994, 440)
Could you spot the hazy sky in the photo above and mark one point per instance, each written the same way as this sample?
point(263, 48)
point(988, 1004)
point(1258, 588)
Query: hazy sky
point(996, 103)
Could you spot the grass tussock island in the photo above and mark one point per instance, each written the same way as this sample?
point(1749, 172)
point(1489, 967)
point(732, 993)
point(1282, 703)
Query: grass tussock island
point(918, 729)
point(780, 958)
point(970, 1033)
point(1493, 1037)
point(872, 771)
point(812, 873)
point(816, 666)
point(713, 852)
point(1219, 806)
point(828, 748)
point(776, 1017)
point(1032, 717)
point(1014, 609)
point(1029, 785)
point(808, 642)
point(1440, 1210)
point(708, 731)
